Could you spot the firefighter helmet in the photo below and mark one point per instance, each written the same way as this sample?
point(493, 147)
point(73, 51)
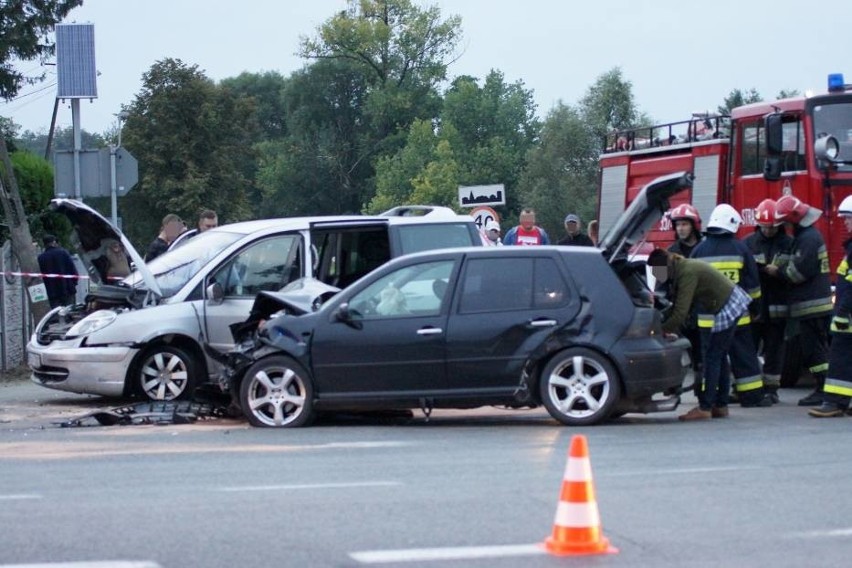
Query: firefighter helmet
point(686, 212)
point(764, 213)
point(724, 219)
point(791, 209)
point(845, 206)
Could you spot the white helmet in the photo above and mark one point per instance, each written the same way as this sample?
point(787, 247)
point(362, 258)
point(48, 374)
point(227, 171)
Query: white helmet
point(724, 219)
point(845, 206)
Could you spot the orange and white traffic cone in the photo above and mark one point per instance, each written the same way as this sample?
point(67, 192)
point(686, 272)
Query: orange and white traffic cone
point(577, 526)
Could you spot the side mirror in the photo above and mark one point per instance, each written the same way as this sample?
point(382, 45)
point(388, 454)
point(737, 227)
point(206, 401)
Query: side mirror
point(773, 135)
point(344, 314)
point(772, 169)
point(215, 293)
point(827, 149)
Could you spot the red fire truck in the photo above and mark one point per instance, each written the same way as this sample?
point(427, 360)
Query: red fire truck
point(800, 146)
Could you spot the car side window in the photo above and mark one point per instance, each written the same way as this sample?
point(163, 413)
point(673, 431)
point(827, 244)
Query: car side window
point(269, 264)
point(414, 290)
point(549, 288)
point(497, 284)
point(345, 256)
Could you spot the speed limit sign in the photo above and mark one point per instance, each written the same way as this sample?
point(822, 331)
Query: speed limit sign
point(481, 216)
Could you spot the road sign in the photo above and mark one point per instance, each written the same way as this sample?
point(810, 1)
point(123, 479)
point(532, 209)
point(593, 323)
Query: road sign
point(95, 175)
point(476, 195)
point(481, 216)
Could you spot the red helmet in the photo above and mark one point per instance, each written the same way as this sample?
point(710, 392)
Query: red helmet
point(790, 209)
point(764, 213)
point(686, 212)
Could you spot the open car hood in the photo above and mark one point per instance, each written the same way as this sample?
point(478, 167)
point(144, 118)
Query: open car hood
point(90, 229)
point(643, 213)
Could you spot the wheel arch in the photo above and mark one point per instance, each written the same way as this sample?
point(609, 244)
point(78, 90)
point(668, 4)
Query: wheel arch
point(181, 341)
point(538, 367)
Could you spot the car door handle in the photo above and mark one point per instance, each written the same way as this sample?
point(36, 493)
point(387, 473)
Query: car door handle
point(430, 331)
point(542, 323)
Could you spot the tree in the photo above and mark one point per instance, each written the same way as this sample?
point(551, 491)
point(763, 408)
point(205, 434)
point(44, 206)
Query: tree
point(609, 105)
point(24, 25)
point(787, 94)
point(737, 98)
point(63, 139)
point(24, 29)
point(194, 143)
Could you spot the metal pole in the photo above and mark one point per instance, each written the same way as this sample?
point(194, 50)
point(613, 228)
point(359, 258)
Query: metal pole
point(75, 121)
point(113, 190)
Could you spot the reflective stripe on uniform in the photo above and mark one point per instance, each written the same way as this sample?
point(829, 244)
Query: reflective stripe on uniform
point(771, 380)
point(778, 311)
point(730, 266)
point(838, 386)
point(745, 384)
point(811, 307)
point(706, 320)
point(821, 368)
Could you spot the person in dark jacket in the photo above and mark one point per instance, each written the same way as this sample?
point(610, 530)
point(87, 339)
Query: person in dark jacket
point(732, 258)
point(574, 235)
point(57, 260)
point(770, 244)
point(809, 288)
point(837, 391)
point(697, 285)
point(172, 227)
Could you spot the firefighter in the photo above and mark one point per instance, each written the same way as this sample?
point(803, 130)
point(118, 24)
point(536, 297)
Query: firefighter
point(687, 226)
point(837, 391)
point(730, 256)
point(809, 288)
point(770, 244)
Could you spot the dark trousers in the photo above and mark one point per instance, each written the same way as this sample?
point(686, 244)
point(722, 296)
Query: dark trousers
point(813, 337)
point(769, 340)
point(839, 368)
point(716, 378)
point(748, 379)
point(61, 300)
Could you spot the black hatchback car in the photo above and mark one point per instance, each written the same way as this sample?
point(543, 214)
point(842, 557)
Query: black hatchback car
point(572, 328)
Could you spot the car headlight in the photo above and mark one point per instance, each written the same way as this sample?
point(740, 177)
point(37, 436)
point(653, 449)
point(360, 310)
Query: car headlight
point(92, 323)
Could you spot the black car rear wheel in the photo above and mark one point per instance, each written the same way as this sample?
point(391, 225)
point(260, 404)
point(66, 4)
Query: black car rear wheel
point(276, 392)
point(579, 387)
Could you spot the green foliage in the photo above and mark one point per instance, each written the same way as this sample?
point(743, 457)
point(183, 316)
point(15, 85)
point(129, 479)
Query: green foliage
point(34, 175)
point(787, 94)
point(608, 104)
point(25, 26)
point(737, 98)
point(266, 93)
point(561, 171)
point(63, 139)
point(194, 143)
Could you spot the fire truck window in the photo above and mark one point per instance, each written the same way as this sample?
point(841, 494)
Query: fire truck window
point(793, 146)
point(752, 152)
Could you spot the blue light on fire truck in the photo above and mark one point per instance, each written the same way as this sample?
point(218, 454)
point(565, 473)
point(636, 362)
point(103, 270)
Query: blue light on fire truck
point(836, 83)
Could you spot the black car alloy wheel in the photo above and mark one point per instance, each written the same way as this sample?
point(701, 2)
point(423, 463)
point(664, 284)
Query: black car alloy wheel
point(277, 392)
point(579, 387)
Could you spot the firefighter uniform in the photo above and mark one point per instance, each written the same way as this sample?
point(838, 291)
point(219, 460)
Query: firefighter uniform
point(769, 327)
point(809, 297)
point(732, 258)
point(837, 391)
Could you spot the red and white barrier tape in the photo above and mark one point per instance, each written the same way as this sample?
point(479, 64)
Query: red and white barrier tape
point(39, 275)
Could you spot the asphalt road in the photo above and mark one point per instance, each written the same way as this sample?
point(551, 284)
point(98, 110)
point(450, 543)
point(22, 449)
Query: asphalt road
point(474, 488)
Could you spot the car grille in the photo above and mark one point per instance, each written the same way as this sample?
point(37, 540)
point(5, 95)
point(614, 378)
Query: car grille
point(50, 374)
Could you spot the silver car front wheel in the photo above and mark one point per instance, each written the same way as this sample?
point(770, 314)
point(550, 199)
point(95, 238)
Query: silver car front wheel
point(165, 372)
point(276, 392)
point(579, 387)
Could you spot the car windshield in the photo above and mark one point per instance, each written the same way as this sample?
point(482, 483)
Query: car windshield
point(173, 269)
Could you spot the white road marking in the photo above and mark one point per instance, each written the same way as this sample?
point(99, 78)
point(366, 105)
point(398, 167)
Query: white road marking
point(19, 497)
point(310, 486)
point(435, 554)
point(104, 564)
point(824, 534)
point(679, 471)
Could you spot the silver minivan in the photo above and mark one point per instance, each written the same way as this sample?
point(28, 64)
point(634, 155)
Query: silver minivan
point(143, 335)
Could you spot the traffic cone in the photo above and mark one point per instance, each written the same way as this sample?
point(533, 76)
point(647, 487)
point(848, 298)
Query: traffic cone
point(577, 526)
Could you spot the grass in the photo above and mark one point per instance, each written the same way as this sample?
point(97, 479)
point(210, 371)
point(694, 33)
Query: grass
point(15, 374)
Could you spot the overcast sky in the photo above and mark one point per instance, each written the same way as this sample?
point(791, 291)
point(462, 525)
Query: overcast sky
point(681, 56)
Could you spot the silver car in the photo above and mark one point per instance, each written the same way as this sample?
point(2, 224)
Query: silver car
point(142, 335)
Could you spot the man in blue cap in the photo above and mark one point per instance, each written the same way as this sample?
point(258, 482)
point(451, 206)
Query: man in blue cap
point(574, 236)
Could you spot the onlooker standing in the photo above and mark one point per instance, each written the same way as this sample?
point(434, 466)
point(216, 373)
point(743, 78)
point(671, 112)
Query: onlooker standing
point(837, 391)
point(207, 220)
point(809, 291)
point(733, 259)
point(574, 234)
point(594, 229)
point(57, 260)
point(527, 232)
point(492, 231)
point(697, 284)
point(769, 244)
point(172, 227)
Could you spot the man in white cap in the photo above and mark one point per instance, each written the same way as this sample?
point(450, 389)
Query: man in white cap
point(492, 231)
